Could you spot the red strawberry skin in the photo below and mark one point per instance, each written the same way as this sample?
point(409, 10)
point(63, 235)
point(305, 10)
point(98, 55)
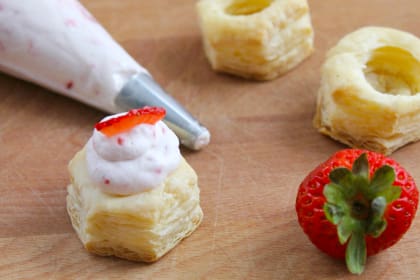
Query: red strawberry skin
point(323, 234)
point(145, 115)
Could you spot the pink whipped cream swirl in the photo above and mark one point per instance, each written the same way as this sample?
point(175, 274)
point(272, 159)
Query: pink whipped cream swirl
point(133, 161)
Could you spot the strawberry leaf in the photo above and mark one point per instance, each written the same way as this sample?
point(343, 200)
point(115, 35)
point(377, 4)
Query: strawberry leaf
point(377, 223)
point(383, 178)
point(333, 213)
point(335, 194)
point(345, 228)
point(356, 252)
point(341, 176)
point(391, 194)
point(360, 186)
point(361, 166)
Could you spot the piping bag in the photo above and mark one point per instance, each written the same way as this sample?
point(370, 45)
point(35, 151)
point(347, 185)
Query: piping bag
point(59, 45)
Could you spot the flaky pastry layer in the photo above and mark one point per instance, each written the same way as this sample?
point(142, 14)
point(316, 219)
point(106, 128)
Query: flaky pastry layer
point(255, 39)
point(139, 227)
point(369, 94)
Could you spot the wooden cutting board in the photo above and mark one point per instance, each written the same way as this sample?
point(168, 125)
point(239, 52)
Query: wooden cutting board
point(263, 144)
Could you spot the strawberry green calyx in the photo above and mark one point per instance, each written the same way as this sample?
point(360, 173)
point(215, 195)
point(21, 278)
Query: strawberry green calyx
point(356, 204)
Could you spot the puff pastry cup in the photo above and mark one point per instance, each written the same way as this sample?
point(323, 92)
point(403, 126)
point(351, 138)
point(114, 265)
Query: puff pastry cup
point(369, 93)
point(255, 39)
point(139, 227)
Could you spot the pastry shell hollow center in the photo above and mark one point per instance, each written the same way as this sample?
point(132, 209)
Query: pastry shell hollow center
point(247, 7)
point(393, 70)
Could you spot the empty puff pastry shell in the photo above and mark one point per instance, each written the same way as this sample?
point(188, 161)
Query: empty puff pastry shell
point(256, 39)
point(140, 227)
point(369, 94)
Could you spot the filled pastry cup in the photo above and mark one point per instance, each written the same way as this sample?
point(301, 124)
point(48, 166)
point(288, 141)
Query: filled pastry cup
point(131, 193)
point(139, 227)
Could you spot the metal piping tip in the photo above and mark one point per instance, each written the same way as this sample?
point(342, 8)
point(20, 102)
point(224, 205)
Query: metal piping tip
point(141, 90)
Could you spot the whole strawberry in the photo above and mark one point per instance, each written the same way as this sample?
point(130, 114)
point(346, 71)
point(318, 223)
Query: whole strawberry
point(356, 204)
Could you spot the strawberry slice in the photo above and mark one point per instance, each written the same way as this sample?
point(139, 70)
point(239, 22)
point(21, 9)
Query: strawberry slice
point(145, 115)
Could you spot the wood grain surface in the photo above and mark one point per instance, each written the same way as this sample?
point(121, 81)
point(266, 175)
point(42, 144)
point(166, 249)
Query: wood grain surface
point(263, 144)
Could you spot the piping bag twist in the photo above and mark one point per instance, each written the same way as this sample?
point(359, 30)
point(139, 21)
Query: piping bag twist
point(59, 45)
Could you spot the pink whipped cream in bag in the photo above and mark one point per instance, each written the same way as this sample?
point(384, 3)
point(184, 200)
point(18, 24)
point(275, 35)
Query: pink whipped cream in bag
point(59, 45)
